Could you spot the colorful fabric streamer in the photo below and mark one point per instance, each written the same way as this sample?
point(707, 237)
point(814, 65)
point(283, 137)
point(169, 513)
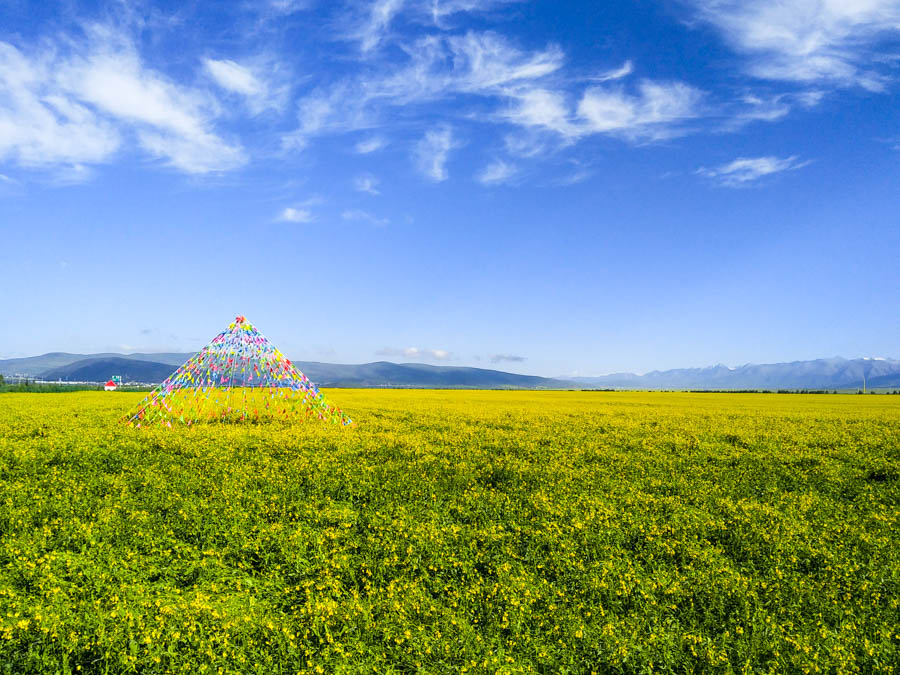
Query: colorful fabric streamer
point(238, 377)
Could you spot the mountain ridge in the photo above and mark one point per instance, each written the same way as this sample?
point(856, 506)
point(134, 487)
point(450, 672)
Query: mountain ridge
point(376, 374)
point(827, 373)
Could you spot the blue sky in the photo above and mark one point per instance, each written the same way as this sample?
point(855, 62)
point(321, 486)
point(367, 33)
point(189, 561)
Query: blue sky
point(545, 187)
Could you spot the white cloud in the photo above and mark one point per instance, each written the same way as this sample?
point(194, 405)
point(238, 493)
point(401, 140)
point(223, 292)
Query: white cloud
point(440, 9)
point(42, 125)
point(830, 41)
point(289, 6)
point(745, 170)
point(438, 67)
point(761, 108)
point(246, 81)
point(372, 29)
point(432, 151)
point(202, 153)
point(527, 144)
point(764, 109)
point(416, 353)
point(296, 215)
point(235, 77)
point(370, 145)
point(76, 108)
point(367, 184)
point(485, 61)
point(172, 121)
point(655, 110)
point(617, 73)
point(370, 20)
point(544, 109)
point(363, 216)
point(483, 64)
point(496, 172)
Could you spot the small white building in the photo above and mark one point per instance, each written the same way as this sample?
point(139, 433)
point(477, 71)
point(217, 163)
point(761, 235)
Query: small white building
point(110, 386)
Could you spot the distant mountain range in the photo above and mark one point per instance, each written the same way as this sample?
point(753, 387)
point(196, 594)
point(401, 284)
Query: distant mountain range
point(153, 368)
point(835, 373)
point(36, 366)
point(101, 368)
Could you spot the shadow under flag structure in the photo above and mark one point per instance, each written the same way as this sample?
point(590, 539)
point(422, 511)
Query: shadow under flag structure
point(238, 377)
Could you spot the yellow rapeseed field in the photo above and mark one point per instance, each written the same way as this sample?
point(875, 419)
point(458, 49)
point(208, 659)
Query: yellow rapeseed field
point(455, 531)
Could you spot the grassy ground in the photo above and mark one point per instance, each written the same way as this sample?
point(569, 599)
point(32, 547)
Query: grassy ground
point(455, 531)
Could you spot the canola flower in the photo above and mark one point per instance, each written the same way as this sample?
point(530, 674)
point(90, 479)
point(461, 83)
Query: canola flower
point(455, 531)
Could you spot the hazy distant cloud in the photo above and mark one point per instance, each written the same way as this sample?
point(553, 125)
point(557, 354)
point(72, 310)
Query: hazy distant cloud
point(366, 183)
point(416, 353)
point(363, 216)
point(512, 358)
point(146, 331)
point(746, 170)
point(496, 172)
point(432, 151)
point(370, 145)
point(292, 215)
point(289, 6)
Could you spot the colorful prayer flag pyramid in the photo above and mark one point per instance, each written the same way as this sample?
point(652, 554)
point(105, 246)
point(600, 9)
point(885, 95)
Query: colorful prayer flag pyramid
point(238, 377)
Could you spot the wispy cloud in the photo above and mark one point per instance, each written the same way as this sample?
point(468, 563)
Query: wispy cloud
point(544, 109)
point(370, 145)
point(496, 172)
point(432, 151)
point(247, 82)
point(417, 353)
point(438, 67)
point(235, 77)
point(512, 358)
point(296, 215)
point(656, 109)
point(172, 122)
point(746, 170)
point(359, 215)
point(375, 23)
point(43, 124)
point(366, 183)
point(440, 9)
point(369, 22)
point(289, 6)
point(651, 110)
point(77, 106)
point(616, 73)
point(808, 40)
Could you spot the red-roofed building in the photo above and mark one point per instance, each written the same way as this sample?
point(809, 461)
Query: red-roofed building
point(110, 386)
